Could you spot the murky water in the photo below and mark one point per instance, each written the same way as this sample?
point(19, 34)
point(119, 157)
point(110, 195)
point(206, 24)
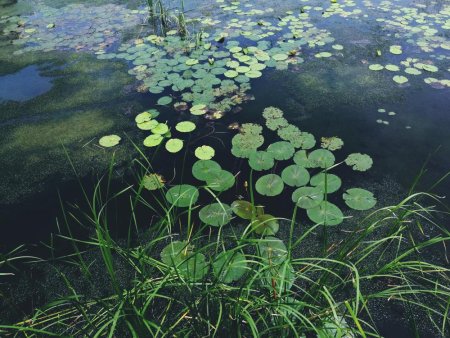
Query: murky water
point(398, 124)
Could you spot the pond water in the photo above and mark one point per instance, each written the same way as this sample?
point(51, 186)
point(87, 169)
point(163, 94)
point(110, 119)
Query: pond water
point(373, 73)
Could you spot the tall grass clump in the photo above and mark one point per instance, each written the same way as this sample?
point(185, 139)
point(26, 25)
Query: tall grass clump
point(171, 275)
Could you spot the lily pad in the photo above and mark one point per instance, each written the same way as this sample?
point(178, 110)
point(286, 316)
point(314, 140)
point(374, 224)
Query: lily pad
point(153, 140)
point(109, 141)
point(243, 209)
point(185, 126)
point(229, 266)
point(216, 214)
point(261, 160)
point(281, 150)
point(220, 180)
point(359, 199)
point(325, 213)
point(359, 162)
point(174, 145)
point(376, 67)
point(176, 252)
point(400, 79)
point(147, 125)
point(321, 158)
point(397, 50)
point(182, 195)
point(204, 152)
point(280, 277)
point(152, 182)
point(165, 100)
point(272, 250)
point(295, 175)
point(269, 185)
point(202, 169)
point(307, 197)
point(333, 182)
point(265, 225)
point(160, 129)
point(331, 143)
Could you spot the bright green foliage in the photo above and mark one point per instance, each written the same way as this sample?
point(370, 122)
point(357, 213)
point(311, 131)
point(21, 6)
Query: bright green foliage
point(269, 185)
point(307, 197)
point(295, 175)
point(325, 213)
point(359, 199)
point(216, 214)
point(183, 195)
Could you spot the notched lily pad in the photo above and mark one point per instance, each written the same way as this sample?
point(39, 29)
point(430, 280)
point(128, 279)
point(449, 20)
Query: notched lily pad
point(109, 141)
point(229, 266)
point(325, 213)
point(269, 185)
point(359, 199)
point(216, 214)
point(183, 195)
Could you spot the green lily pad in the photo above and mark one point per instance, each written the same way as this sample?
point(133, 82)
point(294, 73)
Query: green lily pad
point(261, 160)
point(321, 158)
point(333, 182)
point(109, 141)
point(376, 67)
point(272, 250)
point(295, 175)
point(280, 57)
point(220, 180)
point(400, 79)
point(307, 197)
point(152, 182)
point(185, 126)
point(265, 225)
point(243, 209)
point(281, 150)
point(325, 213)
point(216, 214)
point(176, 252)
point(331, 143)
point(269, 185)
point(147, 125)
point(153, 140)
point(359, 199)
point(231, 73)
point(253, 74)
point(160, 129)
point(280, 277)
point(143, 117)
point(191, 62)
point(198, 109)
point(301, 158)
point(182, 195)
point(229, 266)
point(359, 162)
point(204, 152)
point(165, 100)
point(202, 169)
point(174, 145)
point(397, 50)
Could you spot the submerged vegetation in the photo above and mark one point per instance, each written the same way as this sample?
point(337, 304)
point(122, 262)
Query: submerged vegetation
point(224, 210)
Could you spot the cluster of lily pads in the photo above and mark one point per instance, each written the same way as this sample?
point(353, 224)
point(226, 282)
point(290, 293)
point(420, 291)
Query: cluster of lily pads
point(73, 27)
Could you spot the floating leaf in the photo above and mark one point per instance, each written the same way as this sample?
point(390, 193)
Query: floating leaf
point(376, 67)
point(216, 214)
point(359, 162)
point(331, 143)
point(185, 126)
point(321, 158)
point(325, 213)
point(307, 197)
point(359, 199)
point(202, 169)
point(231, 73)
point(198, 109)
point(269, 185)
point(229, 266)
point(153, 182)
point(143, 117)
point(396, 49)
point(281, 150)
point(295, 175)
point(183, 195)
point(109, 141)
point(174, 145)
point(191, 62)
point(160, 129)
point(147, 125)
point(400, 79)
point(165, 100)
point(176, 252)
point(265, 225)
point(153, 140)
point(204, 152)
point(261, 160)
point(280, 57)
point(281, 277)
point(220, 180)
point(333, 182)
point(243, 209)
point(272, 250)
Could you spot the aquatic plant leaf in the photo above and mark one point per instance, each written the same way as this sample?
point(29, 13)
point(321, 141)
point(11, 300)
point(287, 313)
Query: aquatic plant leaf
point(229, 266)
point(204, 152)
point(269, 185)
point(395, 49)
point(281, 150)
point(280, 57)
point(176, 252)
point(325, 213)
point(220, 180)
point(160, 129)
point(153, 182)
point(359, 162)
point(153, 140)
point(331, 143)
point(253, 74)
point(215, 214)
point(143, 117)
point(165, 100)
point(295, 175)
point(183, 195)
point(231, 73)
point(272, 250)
point(147, 125)
point(185, 126)
point(307, 197)
point(198, 109)
point(321, 158)
point(266, 225)
point(400, 79)
point(376, 67)
point(109, 141)
point(359, 199)
point(191, 62)
point(243, 209)
point(333, 182)
point(261, 160)
point(174, 145)
point(280, 277)
point(202, 169)
point(301, 158)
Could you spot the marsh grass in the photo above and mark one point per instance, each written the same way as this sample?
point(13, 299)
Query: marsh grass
point(331, 293)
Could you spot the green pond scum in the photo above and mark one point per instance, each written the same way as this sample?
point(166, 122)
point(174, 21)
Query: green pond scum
point(245, 168)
